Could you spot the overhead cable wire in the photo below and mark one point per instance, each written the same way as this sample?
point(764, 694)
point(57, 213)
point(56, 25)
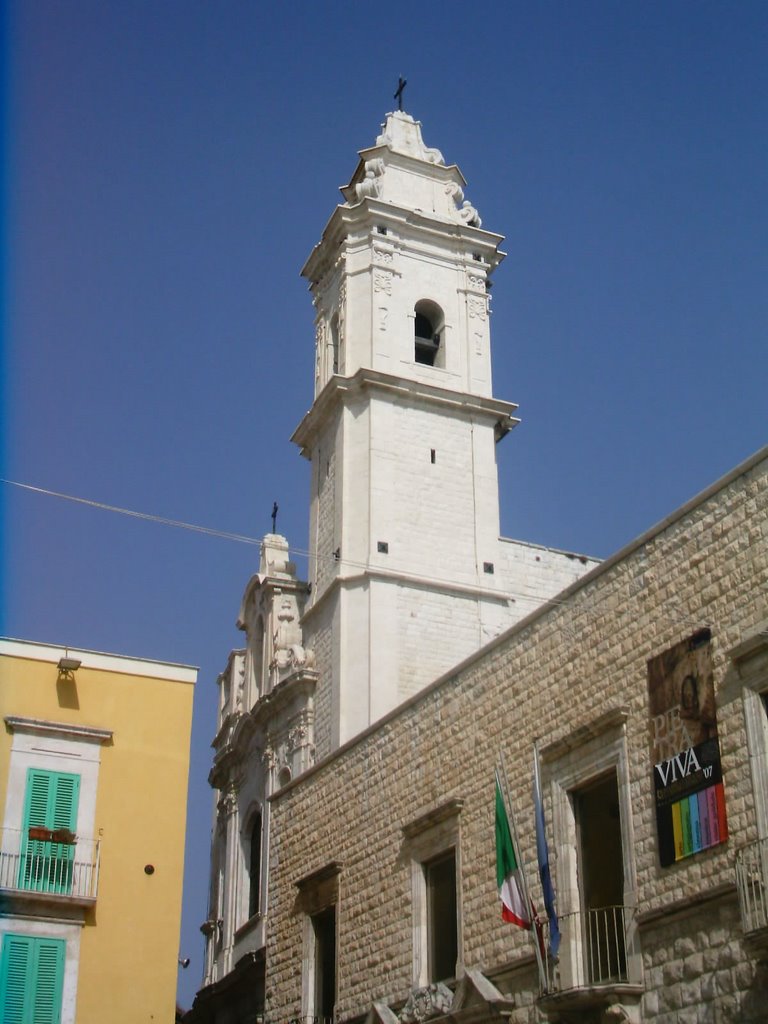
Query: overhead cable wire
point(211, 532)
point(239, 537)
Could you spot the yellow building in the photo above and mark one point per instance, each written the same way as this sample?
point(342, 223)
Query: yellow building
point(94, 758)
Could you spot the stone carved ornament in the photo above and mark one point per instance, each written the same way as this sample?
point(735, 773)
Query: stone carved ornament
point(467, 213)
point(293, 657)
point(239, 684)
point(382, 282)
point(369, 186)
point(228, 802)
point(287, 640)
point(423, 1003)
point(478, 308)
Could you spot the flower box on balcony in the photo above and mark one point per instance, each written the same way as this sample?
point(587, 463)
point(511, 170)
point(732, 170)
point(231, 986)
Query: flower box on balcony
point(41, 834)
point(63, 835)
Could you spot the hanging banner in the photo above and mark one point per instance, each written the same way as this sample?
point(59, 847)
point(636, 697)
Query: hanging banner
point(685, 750)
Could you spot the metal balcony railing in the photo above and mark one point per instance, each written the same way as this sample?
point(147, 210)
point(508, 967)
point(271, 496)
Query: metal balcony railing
point(54, 863)
point(752, 885)
point(595, 949)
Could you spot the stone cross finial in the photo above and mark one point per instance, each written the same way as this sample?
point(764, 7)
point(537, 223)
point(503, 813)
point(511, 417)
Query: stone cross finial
point(401, 84)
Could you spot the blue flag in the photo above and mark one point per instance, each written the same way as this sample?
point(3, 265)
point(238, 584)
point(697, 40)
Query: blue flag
point(542, 856)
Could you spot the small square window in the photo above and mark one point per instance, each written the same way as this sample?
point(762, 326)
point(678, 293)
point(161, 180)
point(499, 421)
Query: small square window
point(380, 229)
point(488, 568)
point(382, 547)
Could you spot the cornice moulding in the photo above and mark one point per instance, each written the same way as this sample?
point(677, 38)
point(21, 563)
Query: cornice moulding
point(339, 388)
point(86, 733)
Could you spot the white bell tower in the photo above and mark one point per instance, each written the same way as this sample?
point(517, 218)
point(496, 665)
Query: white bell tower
point(408, 573)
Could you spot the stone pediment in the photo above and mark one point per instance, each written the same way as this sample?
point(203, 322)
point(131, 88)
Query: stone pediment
point(475, 990)
point(475, 999)
point(380, 1013)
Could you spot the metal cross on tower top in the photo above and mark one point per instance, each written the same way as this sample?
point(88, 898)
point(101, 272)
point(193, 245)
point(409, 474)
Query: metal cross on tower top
point(401, 84)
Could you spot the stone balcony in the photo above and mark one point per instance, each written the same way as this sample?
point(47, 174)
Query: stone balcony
point(598, 967)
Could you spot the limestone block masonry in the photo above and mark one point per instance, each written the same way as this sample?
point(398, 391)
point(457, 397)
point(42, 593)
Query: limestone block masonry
point(574, 676)
point(407, 569)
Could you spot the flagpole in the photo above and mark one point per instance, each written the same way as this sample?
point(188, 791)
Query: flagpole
point(542, 856)
point(505, 791)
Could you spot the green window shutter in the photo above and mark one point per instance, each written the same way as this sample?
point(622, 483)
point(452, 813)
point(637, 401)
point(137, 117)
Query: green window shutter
point(64, 801)
point(14, 974)
point(37, 799)
point(46, 1002)
point(50, 802)
point(51, 799)
point(31, 979)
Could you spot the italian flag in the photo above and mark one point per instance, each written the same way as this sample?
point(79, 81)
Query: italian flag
point(508, 875)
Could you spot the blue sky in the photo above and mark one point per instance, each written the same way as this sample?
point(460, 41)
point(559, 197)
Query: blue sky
point(170, 166)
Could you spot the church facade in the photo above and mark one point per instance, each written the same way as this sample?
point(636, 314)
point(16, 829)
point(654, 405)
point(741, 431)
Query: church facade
point(352, 851)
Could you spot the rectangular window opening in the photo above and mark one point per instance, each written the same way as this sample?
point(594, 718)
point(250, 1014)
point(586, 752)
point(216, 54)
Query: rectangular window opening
point(488, 568)
point(324, 930)
point(382, 547)
point(601, 879)
point(442, 932)
point(432, 456)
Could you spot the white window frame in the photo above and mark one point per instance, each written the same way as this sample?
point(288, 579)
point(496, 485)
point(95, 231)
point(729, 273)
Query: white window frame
point(751, 660)
point(426, 838)
point(56, 747)
point(570, 765)
point(44, 928)
point(317, 892)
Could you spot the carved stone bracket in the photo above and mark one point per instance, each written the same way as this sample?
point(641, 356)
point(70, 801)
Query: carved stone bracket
point(370, 185)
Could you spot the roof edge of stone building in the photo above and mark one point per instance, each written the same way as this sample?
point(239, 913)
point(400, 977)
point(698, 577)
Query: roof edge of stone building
point(644, 538)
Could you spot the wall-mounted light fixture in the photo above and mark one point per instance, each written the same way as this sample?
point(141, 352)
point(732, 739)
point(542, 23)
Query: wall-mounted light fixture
point(69, 664)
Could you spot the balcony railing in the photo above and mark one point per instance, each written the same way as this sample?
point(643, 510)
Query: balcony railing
point(596, 948)
point(52, 863)
point(752, 885)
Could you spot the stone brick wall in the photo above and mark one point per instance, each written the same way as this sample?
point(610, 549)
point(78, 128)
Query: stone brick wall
point(533, 573)
point(696, 971)
point(437, 631)
point(549, 677)
point(546, 678)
